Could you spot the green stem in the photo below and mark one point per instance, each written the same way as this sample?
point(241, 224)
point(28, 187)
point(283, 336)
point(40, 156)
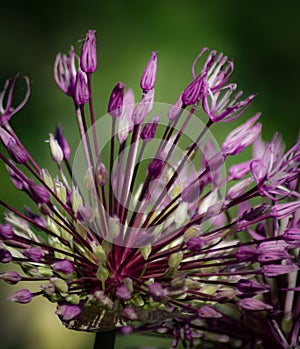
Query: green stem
point(105, 340)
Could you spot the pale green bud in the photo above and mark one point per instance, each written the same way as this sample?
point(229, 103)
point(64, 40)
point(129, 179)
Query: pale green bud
point(128, 282)
point(88, 180)
point(102, 273)
point(181, 213)
point(175, 260)
point(145, 251)
point(47, 178)
point(100, 254)
point(61, 285)
point(73, 299)
point(44, 271)
point(113, 227)
point(60, 190)
point(137, 300)
point(55, 150)
point(76, 200)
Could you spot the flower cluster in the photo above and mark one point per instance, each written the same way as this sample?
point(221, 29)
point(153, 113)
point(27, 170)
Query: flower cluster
point(145, 230)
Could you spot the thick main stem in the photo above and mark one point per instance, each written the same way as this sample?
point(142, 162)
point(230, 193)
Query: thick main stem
point(105, 340)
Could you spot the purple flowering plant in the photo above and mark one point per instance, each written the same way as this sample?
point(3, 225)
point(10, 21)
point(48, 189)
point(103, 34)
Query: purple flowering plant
point(145, 229)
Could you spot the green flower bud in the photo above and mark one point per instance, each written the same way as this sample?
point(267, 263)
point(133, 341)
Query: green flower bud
point(102, 273)
point(145, 251)
point(47, 178)
point(60, 190)
point(76, 200)
point(73, 299)
point(61, 285)
point(175, 260)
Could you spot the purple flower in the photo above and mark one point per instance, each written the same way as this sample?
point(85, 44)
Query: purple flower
point(142, 227)
point(7, 111)
point(88, 58)
point(65, 71)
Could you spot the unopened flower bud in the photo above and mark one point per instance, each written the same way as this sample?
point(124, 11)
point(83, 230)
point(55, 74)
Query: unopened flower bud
point(207, 312)
point(283, 210)
point(81, 94)
point(251, 304)
point(155, 168)
point(5, 256)
point(55, 149)
point(123, 293)
point(175, 110)
point(39, 193)
point(68, 312)
point(149, 76)
point(101, 173)
point(157, 292)
point(6, 232)
point(149, 129)
point(191, 94)
point(64, 266)
point(21, 296)
point(11, 277)
point(63, 143)
point(129, 313)
point(292, 237)
point(33, 253)
point(115, 104)
point(17, 153)
point(250, 286)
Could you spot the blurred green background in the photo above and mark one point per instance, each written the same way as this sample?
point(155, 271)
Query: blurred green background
point(261, 36)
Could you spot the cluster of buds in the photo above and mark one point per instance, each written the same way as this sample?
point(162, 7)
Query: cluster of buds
point(156, 235)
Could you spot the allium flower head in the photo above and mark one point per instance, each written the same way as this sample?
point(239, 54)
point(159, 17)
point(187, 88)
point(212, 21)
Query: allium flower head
point(145, 230)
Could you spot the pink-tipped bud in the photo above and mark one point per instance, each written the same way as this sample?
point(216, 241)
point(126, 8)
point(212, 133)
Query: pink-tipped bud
point(11, 277)
point(68, 312)
point(88, 58)
point(115, 104)
point(39, 193)
point(207, 312)
point(292, 237)
point(63, 266)
point(81, 94)
point(6, 232)
point(101, 173)
point(21, 296)
point(192, 93)
point(157, 292)
point(155, 168)
point(123, 293)
point(283, 210)
point(149, 129)
point(34, 254)
point(250, 286)
point(175, 110)
point(251, 304)
point(5, 256)
point(149, 76)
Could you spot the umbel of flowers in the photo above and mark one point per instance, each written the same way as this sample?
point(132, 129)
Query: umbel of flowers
point(170, 244)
